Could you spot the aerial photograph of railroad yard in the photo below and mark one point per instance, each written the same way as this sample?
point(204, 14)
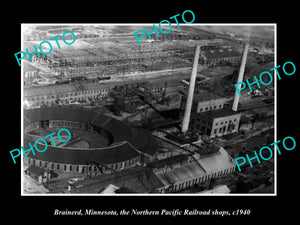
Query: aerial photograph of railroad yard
point(158, 117)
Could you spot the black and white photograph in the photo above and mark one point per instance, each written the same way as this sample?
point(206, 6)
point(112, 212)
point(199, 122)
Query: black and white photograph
point(135, 113)
point(158, 114)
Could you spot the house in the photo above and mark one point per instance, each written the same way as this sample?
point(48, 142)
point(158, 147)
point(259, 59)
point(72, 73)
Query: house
point(39, 174)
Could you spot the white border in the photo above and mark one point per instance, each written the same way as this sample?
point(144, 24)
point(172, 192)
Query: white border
point(146, 24)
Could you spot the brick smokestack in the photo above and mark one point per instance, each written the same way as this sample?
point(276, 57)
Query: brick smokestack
point(240, 77)
point(189, 101)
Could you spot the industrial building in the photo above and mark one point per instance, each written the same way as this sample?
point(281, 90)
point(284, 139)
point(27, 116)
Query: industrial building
point(219, 56)
point(39, 174)
point(64, 93)
point(138, 179)
point(125, 146)
point(169, 175)
point(204, 102)
point(180, 172)
point(215, 123)
point(110, 155)
point(29, 73)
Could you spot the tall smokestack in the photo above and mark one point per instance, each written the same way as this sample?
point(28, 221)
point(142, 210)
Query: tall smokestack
point(189, 101)
point(240, 77)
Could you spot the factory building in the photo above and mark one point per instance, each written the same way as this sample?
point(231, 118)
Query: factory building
point(124, 146)
point(169, 175)
point(64, 93)
point(30, 73)
point(204, 102)
point(39, 174)
point(215, 123)
point(136, 179)
point(183, 171)
point(219, 56)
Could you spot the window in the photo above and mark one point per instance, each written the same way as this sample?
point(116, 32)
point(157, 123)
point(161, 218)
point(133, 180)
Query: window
point(77, 168)
point(57, 167)
point(28, 161)
point(70, 168)
point(220, 130)
point(215, 107)
point(215, 131)
point(65, 167)
point(220, 106)
point(52, 166)
point(201, 109)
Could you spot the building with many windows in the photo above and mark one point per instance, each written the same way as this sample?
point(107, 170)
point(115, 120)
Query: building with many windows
point(204, 102)
point(215, 123)
point(183, 171)
point(63, 93)
point(30, 73)
point(219, 56)
point(125, 146)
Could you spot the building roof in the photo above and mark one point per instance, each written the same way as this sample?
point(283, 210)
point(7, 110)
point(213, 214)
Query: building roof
point(124, 190)
point(221, 53)
point(109, 189)
point(220, 189)
point(208, 150)
point(36, 170)
point(195, 168)
point(135, 179)
point(62, 88)
point(127, 142)
point(179, 173)
point(218, 113)
point(216, 161)
point(28, 67)
point(64, 155)
point(168, 161)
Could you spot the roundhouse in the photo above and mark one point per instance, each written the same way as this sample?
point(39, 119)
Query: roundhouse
point(126, 146)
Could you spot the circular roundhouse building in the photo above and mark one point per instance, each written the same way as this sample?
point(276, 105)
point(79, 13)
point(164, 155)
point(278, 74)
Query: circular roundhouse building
point(98, 144)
